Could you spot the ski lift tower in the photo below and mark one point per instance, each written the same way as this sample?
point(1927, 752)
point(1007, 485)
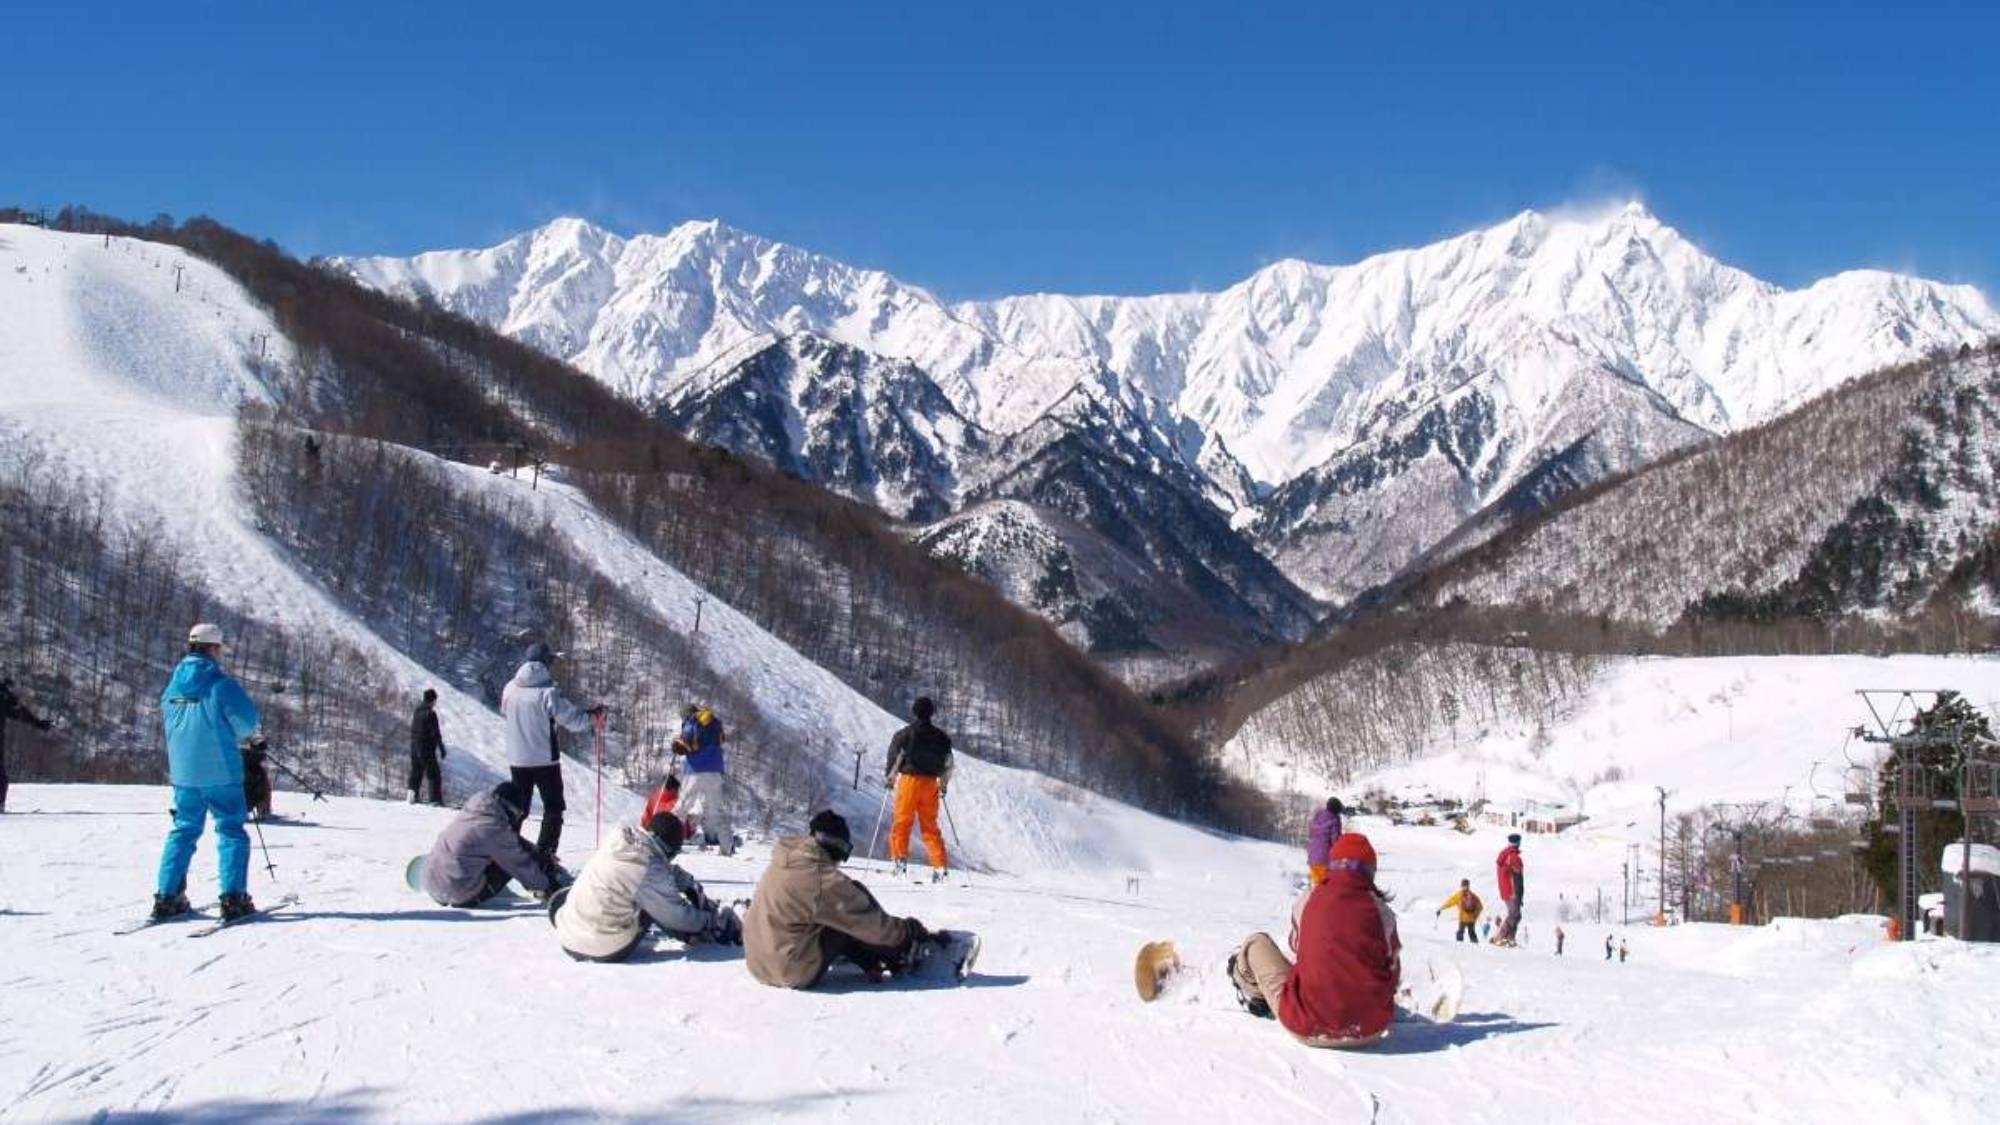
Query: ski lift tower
point(1911, 792)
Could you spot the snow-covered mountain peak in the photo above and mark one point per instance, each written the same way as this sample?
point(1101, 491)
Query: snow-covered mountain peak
point(1298, 369)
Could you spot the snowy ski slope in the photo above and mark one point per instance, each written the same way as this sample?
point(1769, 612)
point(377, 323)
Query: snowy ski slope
point(126, 382)
point(367, 1003)
point(1710, 729)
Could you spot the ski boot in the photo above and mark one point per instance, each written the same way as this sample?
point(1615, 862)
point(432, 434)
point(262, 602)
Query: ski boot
point(940, 874)
point(171, 906)
point(1255, 1005)
point(236, 905)
point(900, 868)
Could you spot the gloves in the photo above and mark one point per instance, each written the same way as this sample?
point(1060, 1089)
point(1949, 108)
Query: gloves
point(724, 928)
point(888, 780)
point(917, 931)
point(441, 753)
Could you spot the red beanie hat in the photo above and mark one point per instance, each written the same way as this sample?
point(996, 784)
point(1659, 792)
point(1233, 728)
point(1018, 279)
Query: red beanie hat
point(1352, 852)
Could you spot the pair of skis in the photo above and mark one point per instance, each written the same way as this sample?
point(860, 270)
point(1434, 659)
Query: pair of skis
point(215, 926)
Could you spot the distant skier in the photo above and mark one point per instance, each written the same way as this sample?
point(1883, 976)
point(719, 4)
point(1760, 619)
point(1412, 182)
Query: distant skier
point(256, 782)
point(666, 799)
point(1623, 951)
point(1325, 829)
point(1469, 907)
point(481, 850)
point(427, 750)
point(806, 915)
point(207, 716)
point(920, 768)
point(11, 707)
point(533, 709)
point(1607, 947)
point(632, 884)
point(1511, 875)
point(1342, 990)
point(1486, 928)
point(705, 789)
point(1559, 941)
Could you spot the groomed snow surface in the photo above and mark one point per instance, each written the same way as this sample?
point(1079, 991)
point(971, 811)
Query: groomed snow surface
point(368, 1003)
point(1749, 729)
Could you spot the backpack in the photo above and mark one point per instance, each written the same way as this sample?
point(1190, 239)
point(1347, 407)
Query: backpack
point(1470, 903)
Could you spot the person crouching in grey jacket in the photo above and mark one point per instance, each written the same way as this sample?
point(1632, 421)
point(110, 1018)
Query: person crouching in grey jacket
point(482, 849)
point(631, 884)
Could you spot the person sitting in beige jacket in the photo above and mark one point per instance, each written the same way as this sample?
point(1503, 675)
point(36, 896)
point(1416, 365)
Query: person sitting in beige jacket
point(632, 884)
point(806, 915)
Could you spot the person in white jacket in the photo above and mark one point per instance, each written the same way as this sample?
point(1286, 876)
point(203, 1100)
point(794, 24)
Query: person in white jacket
point(532, 709)
point(633, 884)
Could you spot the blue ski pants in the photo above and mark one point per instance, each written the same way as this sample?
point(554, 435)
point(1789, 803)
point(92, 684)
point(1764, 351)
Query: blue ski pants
point(193, 804)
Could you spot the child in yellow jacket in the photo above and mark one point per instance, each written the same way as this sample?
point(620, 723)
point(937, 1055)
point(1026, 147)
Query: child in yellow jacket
point(1469, 907)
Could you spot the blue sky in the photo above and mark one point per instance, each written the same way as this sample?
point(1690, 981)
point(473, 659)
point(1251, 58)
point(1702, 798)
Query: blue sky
point(983, 149)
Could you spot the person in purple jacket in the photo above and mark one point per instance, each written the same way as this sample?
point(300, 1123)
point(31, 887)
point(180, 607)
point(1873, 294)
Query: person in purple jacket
point(1319, 842)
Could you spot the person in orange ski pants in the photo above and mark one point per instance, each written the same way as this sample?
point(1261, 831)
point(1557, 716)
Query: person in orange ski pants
point(920, 769)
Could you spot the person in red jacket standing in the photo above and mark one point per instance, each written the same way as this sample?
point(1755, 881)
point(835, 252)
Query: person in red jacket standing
point(1342, 990)
point(1508, 872)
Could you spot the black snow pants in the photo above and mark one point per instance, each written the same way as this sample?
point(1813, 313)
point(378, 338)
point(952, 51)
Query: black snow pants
point(875, 960)
point(496, 881)
point(547, 781)
point(1468, 931)
point(424, 768)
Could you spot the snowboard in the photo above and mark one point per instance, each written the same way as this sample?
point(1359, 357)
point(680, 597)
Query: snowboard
point(1155, 968)
point(413, 872)
point(1432, 991)
point(953, 953)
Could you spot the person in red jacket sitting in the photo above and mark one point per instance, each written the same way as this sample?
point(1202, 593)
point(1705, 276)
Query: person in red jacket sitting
point(1342, 990)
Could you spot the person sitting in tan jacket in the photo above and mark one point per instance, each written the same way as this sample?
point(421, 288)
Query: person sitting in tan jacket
point(806, 915)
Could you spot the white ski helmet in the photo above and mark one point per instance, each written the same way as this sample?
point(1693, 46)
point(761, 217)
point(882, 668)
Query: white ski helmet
point(205, 634)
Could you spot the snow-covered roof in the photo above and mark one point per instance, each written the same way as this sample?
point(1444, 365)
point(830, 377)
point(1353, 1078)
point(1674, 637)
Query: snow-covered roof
point(1985, 858)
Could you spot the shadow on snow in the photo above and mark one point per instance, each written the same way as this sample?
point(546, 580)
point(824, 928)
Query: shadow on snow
point(1419, 1036)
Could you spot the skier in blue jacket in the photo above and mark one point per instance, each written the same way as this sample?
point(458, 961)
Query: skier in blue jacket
point(207, 715)
point(705, 789)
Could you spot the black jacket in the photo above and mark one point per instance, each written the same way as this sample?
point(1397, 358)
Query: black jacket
point(425, 736)
point(920, 749)
point(11, 707)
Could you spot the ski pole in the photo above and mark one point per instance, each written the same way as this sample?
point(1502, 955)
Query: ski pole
point(598, 724)
point(881, 811)
point(293, 774)
point(945, 800)
point(270, 868)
